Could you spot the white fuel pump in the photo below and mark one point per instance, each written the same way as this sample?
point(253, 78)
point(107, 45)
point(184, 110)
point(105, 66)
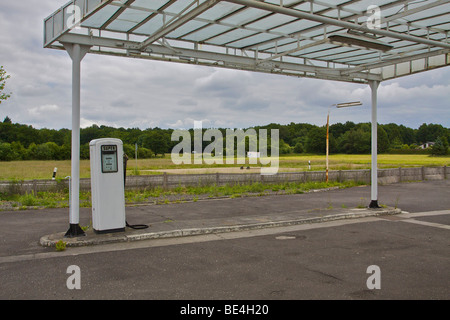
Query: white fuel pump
point(107, 185)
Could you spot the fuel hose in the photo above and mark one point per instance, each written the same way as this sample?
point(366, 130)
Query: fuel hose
point(132, 226)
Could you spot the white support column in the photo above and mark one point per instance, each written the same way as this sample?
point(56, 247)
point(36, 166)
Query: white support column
point(374, 169)
point(77, 53)
point(327, 145)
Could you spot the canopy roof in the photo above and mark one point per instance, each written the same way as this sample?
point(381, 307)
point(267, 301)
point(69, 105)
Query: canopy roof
point(325, 39)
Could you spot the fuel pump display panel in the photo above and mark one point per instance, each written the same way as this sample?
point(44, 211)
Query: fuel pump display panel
point(109, 158)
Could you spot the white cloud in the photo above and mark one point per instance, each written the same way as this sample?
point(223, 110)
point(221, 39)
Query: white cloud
point(415, 104)
point(84, 123)
point(179, 124)
point(44, 110)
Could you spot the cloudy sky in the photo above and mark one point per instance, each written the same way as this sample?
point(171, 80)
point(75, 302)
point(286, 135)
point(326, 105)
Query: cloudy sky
point(130, 93)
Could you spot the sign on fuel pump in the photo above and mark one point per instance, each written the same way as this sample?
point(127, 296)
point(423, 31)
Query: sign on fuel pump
point(107, 185)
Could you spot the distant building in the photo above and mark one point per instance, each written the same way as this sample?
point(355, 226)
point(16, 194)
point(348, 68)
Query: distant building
point(426, 145)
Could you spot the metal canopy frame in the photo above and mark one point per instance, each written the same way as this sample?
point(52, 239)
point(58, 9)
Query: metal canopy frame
point(287, 37)
point(341, 40)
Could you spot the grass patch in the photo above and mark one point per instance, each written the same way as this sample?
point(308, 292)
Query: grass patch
point(177, 195)
point(30, 170)
point(231, 191)
point(44, 199)
point(60, 245)
point(34, 169)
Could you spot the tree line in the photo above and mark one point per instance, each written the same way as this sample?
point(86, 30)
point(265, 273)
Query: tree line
point(23, 142)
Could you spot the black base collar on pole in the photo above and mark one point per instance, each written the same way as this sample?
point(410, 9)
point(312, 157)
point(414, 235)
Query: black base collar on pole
point(74, 231)
point(374, 204)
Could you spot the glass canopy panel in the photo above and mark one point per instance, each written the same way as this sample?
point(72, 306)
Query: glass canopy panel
point(319, 32)
point(401, 45)
point(356, 56)
point(249, 41)
point(80, 4)
point(58, 22)
point(444, 26)
point(439, 37)
point(48, 32)
point(187, 28)
point(318, 7)
point(183, 6)
point(206, 33)
point(304, 6)
point(307, 6)
point(362, 5)
point(399, 28)
point(273, 44)
point(270, 22)
point(245, 16)
point(435, 21)
point(92, 4)
point(220, 10)
point(333, 14)
point(391, 11)
point(293, 44)
point(152, 5)
point(127, 20)
point(428, 13)
point(334, 53)
point(151, 26)
point(419, 32)
point(230, 36)
point(296, 26)
point(327, 50)
point(99, 18)
point(363, 62)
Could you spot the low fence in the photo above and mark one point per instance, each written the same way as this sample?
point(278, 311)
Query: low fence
point(170, 181)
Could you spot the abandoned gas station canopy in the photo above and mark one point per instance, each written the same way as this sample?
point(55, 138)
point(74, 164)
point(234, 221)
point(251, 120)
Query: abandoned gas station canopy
point(346, 40)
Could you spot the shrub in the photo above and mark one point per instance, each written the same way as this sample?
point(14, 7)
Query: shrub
point(60, 245)
point(440, 148)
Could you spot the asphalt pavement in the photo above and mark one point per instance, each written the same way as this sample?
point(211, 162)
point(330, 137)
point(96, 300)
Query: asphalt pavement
point(27, 231)
point(305, 246)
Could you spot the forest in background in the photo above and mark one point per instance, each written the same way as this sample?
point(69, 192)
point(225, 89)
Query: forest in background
point(23, 142)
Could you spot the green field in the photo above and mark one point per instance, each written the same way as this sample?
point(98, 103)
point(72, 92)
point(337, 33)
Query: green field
point(29, 170)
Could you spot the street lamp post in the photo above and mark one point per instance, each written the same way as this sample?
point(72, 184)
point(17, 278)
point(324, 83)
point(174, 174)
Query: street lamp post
point(339, 105)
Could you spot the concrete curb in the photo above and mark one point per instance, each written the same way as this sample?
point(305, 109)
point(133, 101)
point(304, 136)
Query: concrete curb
point(93, 239)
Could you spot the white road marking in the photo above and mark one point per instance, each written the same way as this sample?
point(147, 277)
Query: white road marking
point(429, 224)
